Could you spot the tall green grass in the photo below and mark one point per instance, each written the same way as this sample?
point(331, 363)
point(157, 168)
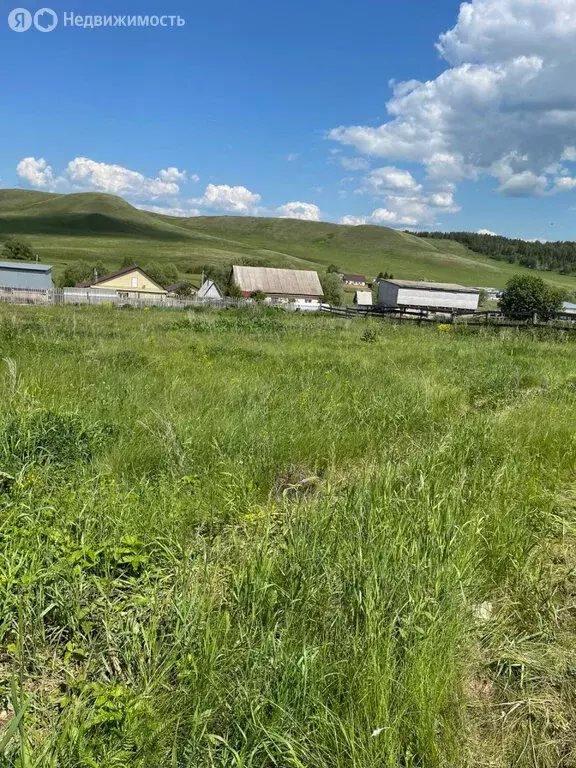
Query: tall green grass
point(249, 539)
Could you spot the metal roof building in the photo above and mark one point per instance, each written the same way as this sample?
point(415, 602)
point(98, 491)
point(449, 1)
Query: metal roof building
point(29, 276)
point(411, 293)
point(288, 284)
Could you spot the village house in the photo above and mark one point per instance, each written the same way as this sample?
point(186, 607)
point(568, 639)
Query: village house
point(296, 286)
point(128, 283)
point(353, 280)
point(409, 293)
point(25, 276)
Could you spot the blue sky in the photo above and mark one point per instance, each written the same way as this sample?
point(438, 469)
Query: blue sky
point(324, 110)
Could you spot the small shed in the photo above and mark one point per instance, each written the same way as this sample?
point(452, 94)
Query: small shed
point(28, 276)
point(209, 290)
point(409, 293)
point(363, 298)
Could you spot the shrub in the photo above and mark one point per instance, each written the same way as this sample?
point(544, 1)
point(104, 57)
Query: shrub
point(528, 296)
point(18, 250)
point(333, 289)
point(369, 335)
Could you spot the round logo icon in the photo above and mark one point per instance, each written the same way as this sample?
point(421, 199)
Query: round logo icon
point(45, 20)
point(20, 20)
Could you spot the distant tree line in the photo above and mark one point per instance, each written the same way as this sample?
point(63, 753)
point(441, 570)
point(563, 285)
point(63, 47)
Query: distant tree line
point(559, 256)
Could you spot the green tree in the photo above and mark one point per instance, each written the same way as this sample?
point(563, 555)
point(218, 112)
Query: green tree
point(233, 291)
point(333, 289)
point(258, 295)
point(220, 274)
point(528, 296)
point(80, 272)
point(19, 250)
point(77, 272)
point(333, 268)
point(163, 274)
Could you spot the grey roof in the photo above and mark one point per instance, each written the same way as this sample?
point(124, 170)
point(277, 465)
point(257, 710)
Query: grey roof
point(206, 287)
point(279, 282)
point(454, 287)
point(364, 298)
point(180, 284)
point(32, 266)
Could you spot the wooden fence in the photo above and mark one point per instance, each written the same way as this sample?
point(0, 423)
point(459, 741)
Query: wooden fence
point(440, 315)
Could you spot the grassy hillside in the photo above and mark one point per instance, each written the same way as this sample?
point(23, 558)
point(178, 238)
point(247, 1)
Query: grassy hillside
point(246, 539)
point(98, 227)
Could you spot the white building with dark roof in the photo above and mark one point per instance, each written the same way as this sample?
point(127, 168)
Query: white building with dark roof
point(410, 293)
point(296, 286)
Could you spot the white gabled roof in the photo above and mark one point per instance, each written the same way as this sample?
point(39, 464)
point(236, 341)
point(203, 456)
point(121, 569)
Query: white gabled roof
point(205, 288)
point(279, 282)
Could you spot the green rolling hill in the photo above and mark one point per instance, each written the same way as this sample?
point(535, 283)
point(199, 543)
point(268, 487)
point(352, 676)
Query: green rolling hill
point(98, 227)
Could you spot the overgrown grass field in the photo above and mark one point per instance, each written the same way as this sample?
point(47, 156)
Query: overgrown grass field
point(246, 539)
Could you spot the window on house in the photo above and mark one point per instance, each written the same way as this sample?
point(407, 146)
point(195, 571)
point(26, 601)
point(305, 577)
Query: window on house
point(134, 282)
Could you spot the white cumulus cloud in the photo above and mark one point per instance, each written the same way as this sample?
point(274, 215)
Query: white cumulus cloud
point(504, 107)
point(487, 232)
point(173, 175)
point(390, 178)
point(298, 210)
point(36, 172)
point(230, 199)
point(564, 183)
point(386, 217)
point(84, 174)
point(442, 199)
point(176, 210)
point(117, 180)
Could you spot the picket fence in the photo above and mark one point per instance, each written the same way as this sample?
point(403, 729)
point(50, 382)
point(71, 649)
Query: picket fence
point(79, 296)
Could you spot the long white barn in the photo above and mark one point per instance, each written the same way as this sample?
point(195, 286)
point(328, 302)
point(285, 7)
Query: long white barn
point(408, 293)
